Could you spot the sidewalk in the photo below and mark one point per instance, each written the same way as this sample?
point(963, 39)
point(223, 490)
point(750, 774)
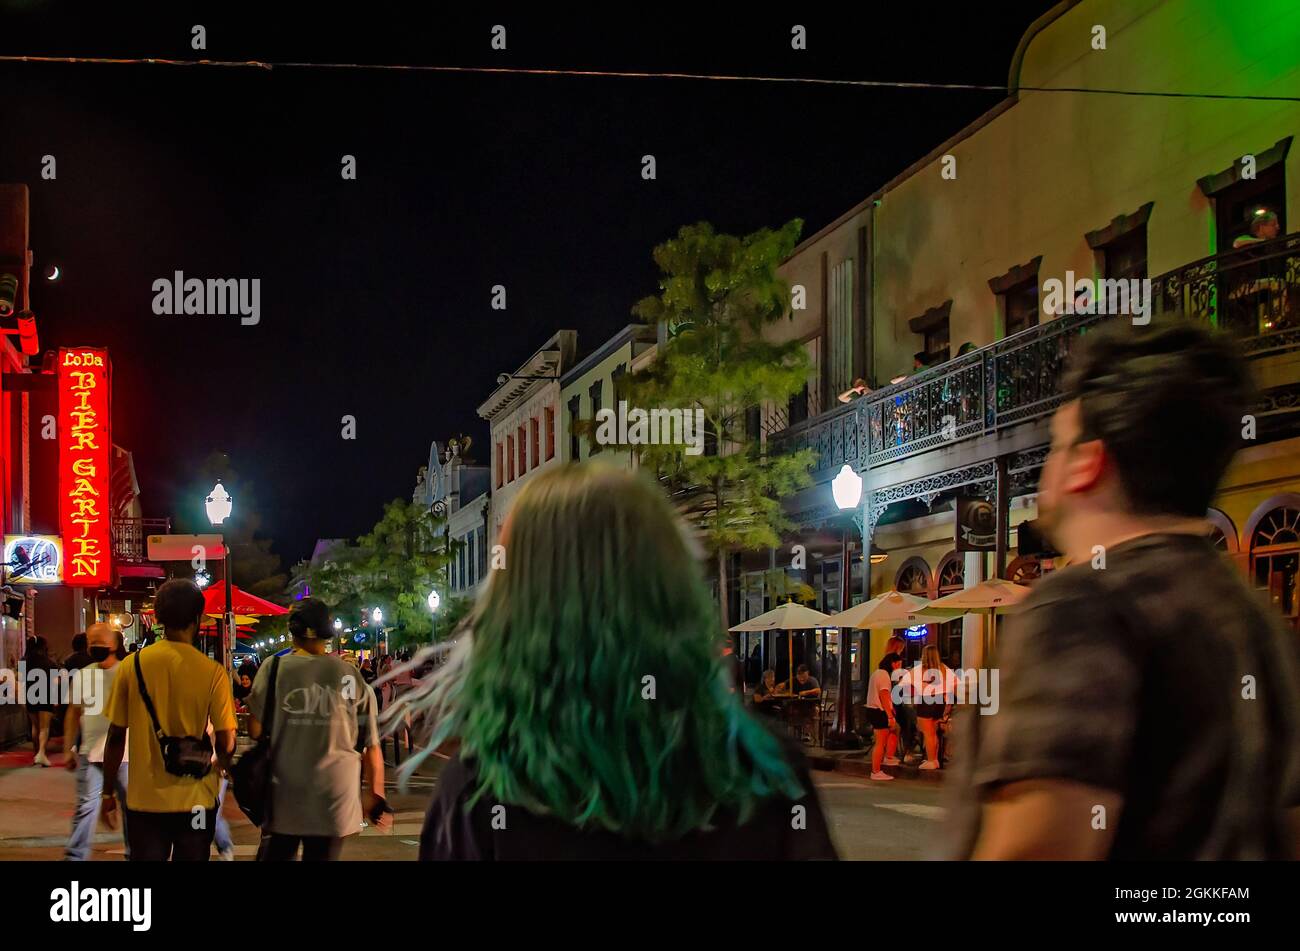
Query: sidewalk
point(38, 804)
point(858, 763)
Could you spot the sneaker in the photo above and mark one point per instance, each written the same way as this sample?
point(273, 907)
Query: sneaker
point(882, 777)
point(893, 761)
point(929, 764)
point(226, 855)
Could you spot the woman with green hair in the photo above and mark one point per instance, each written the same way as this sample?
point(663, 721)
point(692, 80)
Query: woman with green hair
point(590, 700)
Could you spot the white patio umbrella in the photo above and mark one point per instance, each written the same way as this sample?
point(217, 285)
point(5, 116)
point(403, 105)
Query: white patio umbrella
point(993, 597)
point(786, 617)
point(891, 610)
point(996, 594)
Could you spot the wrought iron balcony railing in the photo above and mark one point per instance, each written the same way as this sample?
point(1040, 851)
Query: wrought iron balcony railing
point(130, 536)
point(1253, 293)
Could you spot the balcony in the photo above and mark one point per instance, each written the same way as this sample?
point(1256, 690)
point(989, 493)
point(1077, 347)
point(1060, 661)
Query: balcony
point(1253, 293)
point(130, 536)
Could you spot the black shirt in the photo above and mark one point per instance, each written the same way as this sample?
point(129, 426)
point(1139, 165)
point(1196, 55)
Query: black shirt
point(78, 659)
point(1161, 677)
point(451, 834)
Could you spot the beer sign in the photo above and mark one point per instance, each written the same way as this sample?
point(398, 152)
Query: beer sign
point(85, 466)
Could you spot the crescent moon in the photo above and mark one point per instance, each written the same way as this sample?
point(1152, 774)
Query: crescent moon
point(54, 275)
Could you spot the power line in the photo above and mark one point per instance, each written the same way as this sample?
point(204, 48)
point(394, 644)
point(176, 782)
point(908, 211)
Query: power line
point(628, 74)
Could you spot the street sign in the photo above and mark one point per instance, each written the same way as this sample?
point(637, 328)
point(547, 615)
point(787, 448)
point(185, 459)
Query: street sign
point(185, 547)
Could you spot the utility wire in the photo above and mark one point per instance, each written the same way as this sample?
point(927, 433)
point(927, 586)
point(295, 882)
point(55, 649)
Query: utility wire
point(625, 74)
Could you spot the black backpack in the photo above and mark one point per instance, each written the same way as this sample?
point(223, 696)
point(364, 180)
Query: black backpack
point(251, 776)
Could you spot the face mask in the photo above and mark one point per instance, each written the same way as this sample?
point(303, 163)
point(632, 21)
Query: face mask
point(100, 654)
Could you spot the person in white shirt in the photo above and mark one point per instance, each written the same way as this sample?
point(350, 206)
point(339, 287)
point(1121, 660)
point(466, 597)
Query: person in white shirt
point(89, 712)
point(881, 716)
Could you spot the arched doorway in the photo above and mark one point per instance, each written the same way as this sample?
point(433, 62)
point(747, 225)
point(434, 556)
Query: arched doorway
point(950, 577)
point(914, 578)
point(1273, 535)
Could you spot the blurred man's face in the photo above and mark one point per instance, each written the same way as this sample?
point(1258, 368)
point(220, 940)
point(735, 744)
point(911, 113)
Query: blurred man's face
point(1269, 229)
point(1053, 496)
point(802, 676)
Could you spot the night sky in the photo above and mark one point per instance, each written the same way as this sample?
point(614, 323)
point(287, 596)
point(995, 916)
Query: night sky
point(375, 297)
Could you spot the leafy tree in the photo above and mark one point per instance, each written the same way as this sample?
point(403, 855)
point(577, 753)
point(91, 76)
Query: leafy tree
point(393, 567)
point(718, 293)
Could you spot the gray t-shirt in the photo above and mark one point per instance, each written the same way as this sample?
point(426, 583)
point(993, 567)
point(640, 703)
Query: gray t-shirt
point(325, 712)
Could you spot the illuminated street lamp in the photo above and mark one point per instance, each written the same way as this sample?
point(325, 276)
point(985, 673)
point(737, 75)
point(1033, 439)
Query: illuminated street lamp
point(847, 489)
point(434, 601)
point(218, 503)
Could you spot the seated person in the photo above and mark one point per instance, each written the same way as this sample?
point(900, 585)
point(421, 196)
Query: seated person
point(857, 390)
point(1264, 226)
point(765, 693)
point(806, 686)
point(765, 688)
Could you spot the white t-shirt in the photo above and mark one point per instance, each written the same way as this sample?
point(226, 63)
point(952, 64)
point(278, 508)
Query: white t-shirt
point(880, 680)
point(96, 686)
point(933, 686)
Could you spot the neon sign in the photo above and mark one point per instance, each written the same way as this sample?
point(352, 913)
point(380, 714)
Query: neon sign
point(917, 632)
point(34, 559)
point(85, 468)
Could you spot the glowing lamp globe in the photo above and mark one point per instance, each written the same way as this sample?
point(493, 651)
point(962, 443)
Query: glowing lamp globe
point(847, 488)
point(338, 624)
point(377, 615)
point(434, 601)
point(218, 503)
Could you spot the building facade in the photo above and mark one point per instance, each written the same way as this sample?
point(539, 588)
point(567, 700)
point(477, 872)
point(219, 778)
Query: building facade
point(527, 426)
point(596, 382)
point(952, 265)
point(456, 489)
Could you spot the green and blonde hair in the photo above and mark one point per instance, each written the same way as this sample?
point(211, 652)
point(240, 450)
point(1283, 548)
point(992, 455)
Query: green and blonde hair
point(591, 685)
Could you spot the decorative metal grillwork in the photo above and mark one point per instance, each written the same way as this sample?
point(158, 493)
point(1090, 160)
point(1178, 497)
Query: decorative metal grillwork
point(130, 535)
point(1252, 292)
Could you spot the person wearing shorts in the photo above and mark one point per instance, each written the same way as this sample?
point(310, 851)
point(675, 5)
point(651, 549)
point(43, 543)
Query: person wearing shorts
point(880, 714)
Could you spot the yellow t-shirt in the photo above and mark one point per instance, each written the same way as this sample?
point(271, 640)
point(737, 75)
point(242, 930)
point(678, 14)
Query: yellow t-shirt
point(187, 689)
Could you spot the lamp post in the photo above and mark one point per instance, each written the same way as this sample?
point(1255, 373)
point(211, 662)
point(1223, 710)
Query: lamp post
point(435, 601)
point(377, 618)
point(219, 505)
point(847, 489)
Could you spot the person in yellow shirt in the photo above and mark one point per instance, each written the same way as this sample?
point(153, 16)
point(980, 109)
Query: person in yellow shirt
point(170, 813)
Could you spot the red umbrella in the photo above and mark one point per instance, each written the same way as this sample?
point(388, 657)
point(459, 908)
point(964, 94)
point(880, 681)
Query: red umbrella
point(214, 601)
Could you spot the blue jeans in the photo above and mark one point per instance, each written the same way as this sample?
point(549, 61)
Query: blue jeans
point(222, 834)
point(90, 784)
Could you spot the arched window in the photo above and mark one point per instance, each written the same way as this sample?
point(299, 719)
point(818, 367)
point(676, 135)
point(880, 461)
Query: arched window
point(1025, 570)
point(1223, 533)
point(1273, 534)
point(913, 577)
point(951, 574)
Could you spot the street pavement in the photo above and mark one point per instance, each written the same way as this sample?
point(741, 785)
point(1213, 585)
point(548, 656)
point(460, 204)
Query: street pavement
point(878, 821)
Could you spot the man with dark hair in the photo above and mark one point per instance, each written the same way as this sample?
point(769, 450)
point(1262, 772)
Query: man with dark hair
point(170, 814)
point(79, 657)
point(1149, 699)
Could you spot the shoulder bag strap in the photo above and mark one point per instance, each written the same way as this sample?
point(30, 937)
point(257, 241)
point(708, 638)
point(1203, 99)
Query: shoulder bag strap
point(270, 697)
point(144, 695)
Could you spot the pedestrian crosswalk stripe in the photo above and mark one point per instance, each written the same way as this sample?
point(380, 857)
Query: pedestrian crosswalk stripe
point(912, 809)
